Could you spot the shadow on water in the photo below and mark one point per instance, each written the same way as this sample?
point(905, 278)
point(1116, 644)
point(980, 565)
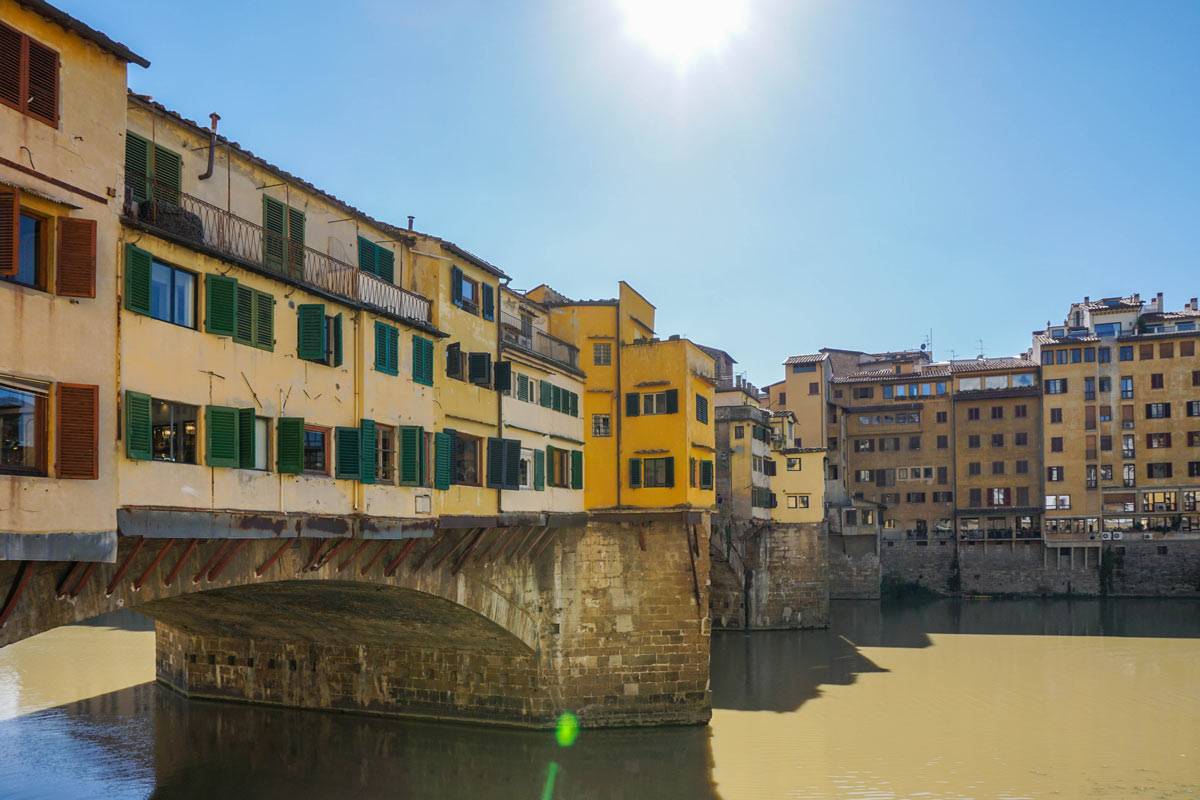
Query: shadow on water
point(781, 670)
point(147, 741)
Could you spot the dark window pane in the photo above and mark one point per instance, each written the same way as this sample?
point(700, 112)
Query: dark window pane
point(20, 430)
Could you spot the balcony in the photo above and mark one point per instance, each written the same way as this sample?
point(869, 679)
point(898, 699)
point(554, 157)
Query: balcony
point(515, 332)
point(213, 229)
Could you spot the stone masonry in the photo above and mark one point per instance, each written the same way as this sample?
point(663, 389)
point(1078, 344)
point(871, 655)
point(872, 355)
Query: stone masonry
point(789, 579)
point(853, 567)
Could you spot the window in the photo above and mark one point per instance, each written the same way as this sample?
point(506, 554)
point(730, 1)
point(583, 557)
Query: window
point(943, 497)
point(997, 467)
point(1056, 444)
point(283, 234)
point(974, 468)
point(526, 469)
point(660, 402)
point(1166, 349)
point(1158, 410)
point(658, 472)
point(782, 398)
point(387, 348)
point(863, 476)
point(1089, 388)
point(1194, 469)
point(30, 76)
point(1022, 467)
point(914, 443)
point(1193, 438)
point(942, 416)
point(469, 295)
point(504, 463)
point(385, 454)
point(794, 464)
point(1106, 443)
point(999, 497)
point(814, 388)
point(1076, 355)
point(1196, 377)
point(316, 450)
point(797, 501)
point(1055, 415)
point(863, 393)
point(23, 428)
point(997, 440)
point(1106, 413)
point(1090, 476)
point(1060, 356)
point(1054, 474)
point(943, 442)
point(319, 336)
point(602, 354)
point(702, 409)
point(739, 432)
point(29, 268)
point(1156, 380)
point(601, 425)
point(1127, 445)
point(1193, 408)
point(1105, 385)
point(831, 444)
point(1104, 354)
point(1158, 441)
point(1089, 355)
point(972, 413)
point(1021, 439)
point(1159, 470)
point(864, 445)
point(915, 497)
point(466, 460)
point(890, 444)
point(1047, 358)
point(706, 476)
point(1056, 386)
point(973, 441)
point(376, 260)
point(1021, 411)
point(1146, 352)
point(422, 369)
point(1126, 353)
point(1129, 475)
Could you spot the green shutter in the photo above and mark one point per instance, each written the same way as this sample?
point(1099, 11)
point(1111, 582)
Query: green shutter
point(366, 256)
point(348, 456)
point(706, 474)
point(366, 429)
point(576, 469)
point(381, 347)
point(296, 241)
point(633, 404)
point(337, 341)
point(310, 336)
point(574, 398)
point(137, 280)
point(168, 175)
point(512, 464)
point(264, 321)
point(221, 436)
point(670, 470)
point(138, 440)
point(672, 401)
point(244, 321)
point(137, 166)
point(442, 451)
point(422, 361)
point(495, 463)
point(489, 301)
point(539, 470)
point(220, 305)
point(274, 232)
point(386, 261)
point(290, 438)
point(546, 394)
point(635, 473)
point(453, 436)
point(411, 439)
point(387, 339)
point(245, 437)
point(550, 476)
point(522, 387)
point(393, 351)
point(456, 286)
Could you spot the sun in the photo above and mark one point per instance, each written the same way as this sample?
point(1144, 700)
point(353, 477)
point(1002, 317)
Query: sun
point(681, 31)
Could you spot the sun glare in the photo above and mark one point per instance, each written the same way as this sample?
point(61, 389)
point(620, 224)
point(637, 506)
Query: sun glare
point(681, 31)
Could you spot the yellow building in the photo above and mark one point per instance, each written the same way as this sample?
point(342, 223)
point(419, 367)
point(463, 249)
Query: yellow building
point(258, 371)
point(647, 404)
point(541, 409)
point(61, 116)
point(798, 480)
point(744, 464)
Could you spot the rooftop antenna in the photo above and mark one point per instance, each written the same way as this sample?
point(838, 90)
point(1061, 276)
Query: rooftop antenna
point(981, 348)
point(927, 345)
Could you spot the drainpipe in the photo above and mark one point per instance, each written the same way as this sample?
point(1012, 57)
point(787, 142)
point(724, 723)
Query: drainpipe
point(499, 395)
point(212, 146)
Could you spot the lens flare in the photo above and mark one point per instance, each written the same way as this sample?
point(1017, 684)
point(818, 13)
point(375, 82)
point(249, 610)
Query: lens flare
point(567, 729)
point(681, 31)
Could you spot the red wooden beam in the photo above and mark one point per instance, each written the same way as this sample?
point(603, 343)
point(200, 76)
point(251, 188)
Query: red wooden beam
point(350, 558)
point(15, 591)
point(331, 552)
point(83, 579)
point(121, 570)
point(68, 580)
point(398, 560)
point(317, 545)
point(520, 543)
point(174, 573)
point(266, 565)
point(467, 553)
point(533, 543)
point(225, 559)
point(420, 561)
point(499, 551)
point(442, 558)
point(209, 564)
point(154, 563)
point(378, 554)
point(538, 550)
point(485, 552)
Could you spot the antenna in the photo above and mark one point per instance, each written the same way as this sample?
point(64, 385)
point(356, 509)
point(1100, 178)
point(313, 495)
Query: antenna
point(981, 348)
point(928, 343)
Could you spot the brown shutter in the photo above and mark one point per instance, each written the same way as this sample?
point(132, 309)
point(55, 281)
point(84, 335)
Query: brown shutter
point(76, 275)
point(43, 83)
point(1126, 413)
point(10, 221)
point(78, 431)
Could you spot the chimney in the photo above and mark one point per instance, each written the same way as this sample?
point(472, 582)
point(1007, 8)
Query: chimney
point(1158, 302)
point(1195, 307)
point(410, 222)
point(1086, 299)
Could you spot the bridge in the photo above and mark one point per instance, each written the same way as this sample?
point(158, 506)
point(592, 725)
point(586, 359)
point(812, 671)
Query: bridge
point(502, 623)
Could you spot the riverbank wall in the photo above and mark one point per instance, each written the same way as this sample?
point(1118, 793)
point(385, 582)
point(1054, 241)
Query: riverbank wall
point(778, 579)
point(854, 567)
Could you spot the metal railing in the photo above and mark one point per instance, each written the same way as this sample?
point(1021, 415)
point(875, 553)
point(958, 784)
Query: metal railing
point(214, 228)
point(516, 332)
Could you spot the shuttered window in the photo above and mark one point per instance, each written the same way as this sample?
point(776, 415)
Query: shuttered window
point(369, 447)
point(247, 439)
point(706, 474)
point(138, 264)
point(702, 409)
point(10, 229)
point(78, 431)
point(479, 368)
point(576, 469)
point(152, 172)
point(76, 264)
point(422, 361)
point(28, 76)
point(348, 453)
point(138, 443)
point(412, 443)
point(318, 336)
point(289, 435)
point(539, 470)
point(635, 473)
point(443, 445)
point(255, 318)
point(377, 260)
point(502, 376)
point(504, 463)
point(488, 294)
point(220, 305)
point(283, 238)
point(221, 436)
point(387, 348)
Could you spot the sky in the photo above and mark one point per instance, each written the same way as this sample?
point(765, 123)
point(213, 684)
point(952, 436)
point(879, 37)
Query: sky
point(840, 173)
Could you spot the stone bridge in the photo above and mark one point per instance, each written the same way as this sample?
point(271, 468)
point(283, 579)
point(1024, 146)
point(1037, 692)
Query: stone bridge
point(512, 625)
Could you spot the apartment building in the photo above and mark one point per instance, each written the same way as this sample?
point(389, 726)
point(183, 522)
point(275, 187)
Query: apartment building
point(647, 404)
point(1121, 419)
point(62, 112)
point(743, 465)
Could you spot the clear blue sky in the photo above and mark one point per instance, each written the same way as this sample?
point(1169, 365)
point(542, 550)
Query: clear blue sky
point(846, 173)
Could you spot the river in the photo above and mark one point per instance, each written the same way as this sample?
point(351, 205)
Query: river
point(946, 699)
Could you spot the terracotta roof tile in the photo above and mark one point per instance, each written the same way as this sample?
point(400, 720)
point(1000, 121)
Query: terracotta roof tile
point(810, 358)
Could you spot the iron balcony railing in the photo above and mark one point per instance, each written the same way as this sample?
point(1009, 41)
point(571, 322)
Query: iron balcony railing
point(518, 332)
point(190, 218)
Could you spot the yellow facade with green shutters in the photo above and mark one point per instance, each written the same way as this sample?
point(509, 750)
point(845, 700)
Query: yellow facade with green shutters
point(653, 445)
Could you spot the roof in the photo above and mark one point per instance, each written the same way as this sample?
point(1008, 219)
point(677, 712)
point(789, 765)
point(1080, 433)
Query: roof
point(466, 255)
point(717, 353)
point(985, 364)
point(896, 354)
point(77, 27)
point(809, 358)
point(880, 377)
point(1040, 337)
point(1133, 302)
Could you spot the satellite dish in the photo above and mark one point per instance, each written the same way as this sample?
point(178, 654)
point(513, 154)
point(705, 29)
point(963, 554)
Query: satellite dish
point(922, 346)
